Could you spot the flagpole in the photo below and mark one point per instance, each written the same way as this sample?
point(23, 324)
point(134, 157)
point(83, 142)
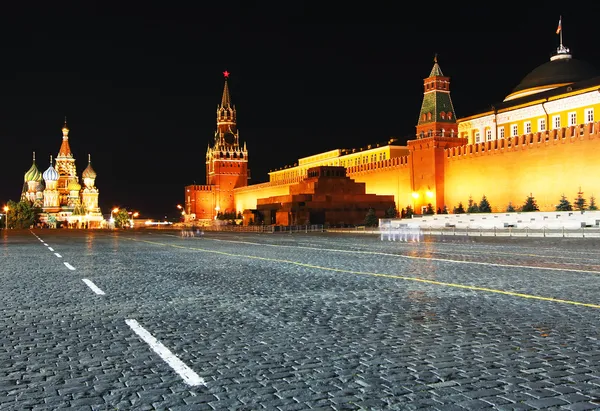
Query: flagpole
point(561, 32)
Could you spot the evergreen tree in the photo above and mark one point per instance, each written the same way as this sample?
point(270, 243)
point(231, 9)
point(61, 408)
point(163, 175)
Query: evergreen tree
point(429, 209)
point(21, 214)
point(391, 212)
point(409, 212)
point(530, 204)
point(371, 219)
point(121, 218)
point(564, 204)
point(445, 209)
point(580, 201)
point(592, 205)
point(460, 209)
point(472, 208)
point(510, 208)
point(484, 205)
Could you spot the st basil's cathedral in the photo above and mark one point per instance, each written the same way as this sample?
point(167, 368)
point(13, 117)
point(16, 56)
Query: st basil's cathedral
point(59, 195)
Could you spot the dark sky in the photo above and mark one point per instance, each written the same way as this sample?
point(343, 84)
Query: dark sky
point(139, 82)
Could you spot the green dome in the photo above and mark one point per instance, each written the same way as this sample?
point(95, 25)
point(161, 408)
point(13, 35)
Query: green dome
point(33, 174)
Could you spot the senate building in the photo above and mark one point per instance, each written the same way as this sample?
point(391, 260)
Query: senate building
point(540, 141)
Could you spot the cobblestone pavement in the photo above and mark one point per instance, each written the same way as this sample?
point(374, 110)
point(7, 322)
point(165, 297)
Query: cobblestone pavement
point(151, 320)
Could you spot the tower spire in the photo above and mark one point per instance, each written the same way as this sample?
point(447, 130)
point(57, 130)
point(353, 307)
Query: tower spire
point(225, 100)
point(437, 117)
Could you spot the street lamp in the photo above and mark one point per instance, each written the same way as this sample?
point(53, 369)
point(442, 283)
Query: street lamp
point(6, 215)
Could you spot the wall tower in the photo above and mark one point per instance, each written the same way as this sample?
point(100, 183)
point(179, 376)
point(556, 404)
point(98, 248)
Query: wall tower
point(436, 130)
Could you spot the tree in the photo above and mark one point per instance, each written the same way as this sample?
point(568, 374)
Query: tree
point(371, 219)
point(579, 201)
point(429, 209)
point(564, 204)
point(391, 212)
point(472, 208)
point(484, 205)
point(592, 205)
point(21, 214)
point(530, 204)
point(460, 209)
point(445, 209)
point(510, 208)
point(409, 212)
point(121, 218)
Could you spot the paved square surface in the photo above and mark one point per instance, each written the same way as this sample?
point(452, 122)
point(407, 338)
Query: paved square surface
point(102, 320)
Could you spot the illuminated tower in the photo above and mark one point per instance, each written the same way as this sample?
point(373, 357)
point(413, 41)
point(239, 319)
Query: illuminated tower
point(33, 188)
point(226, 160)
point(437, 117)
point(90, 192)
point(51, 193)
point(65, 166)
point(436, 131)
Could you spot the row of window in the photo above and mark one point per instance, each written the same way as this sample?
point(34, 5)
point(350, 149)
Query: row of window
point(443, 115)
point(541, 125)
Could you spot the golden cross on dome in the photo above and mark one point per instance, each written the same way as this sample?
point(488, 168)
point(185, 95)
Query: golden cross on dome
point(226, 73)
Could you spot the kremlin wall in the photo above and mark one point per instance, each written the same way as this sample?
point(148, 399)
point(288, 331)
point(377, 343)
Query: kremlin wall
point(541, 141)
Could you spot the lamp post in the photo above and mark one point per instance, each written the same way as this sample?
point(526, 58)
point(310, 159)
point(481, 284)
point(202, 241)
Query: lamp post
point(6, 216)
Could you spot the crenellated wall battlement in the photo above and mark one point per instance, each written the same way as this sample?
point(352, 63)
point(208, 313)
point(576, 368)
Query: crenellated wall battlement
point(561, 135)
point(391, 163)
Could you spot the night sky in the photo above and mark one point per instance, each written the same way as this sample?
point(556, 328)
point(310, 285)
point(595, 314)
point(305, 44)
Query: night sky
point(140, 84)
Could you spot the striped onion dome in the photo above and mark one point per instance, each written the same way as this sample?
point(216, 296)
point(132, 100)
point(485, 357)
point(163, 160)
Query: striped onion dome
point(89, 171)
point(74, 186)
point(33, 174)
point(50, 174)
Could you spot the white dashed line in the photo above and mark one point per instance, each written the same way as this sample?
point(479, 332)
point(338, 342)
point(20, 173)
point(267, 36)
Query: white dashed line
point(50, 248)
point(69, 266)
point(46, 245)
point(185, 372)
point(93, 286)
point(58, 255)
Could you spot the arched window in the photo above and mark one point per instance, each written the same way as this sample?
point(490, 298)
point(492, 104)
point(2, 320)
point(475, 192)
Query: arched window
point(443, 115)
point(428, 116)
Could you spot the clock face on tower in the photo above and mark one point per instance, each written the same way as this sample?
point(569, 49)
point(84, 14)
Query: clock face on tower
point(229, 138)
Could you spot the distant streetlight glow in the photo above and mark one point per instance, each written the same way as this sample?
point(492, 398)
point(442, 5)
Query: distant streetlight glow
point(6, 216)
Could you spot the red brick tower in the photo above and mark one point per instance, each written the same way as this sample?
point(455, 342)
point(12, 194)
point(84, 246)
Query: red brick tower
point(436, 130)
point(226, 160)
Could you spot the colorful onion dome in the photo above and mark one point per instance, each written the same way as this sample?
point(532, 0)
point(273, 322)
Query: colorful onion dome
point(89, 171)
point(33, 174)
point(50, 174)
point(74, 186)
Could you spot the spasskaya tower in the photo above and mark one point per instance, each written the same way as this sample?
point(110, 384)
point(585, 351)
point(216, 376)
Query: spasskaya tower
point(226, 159)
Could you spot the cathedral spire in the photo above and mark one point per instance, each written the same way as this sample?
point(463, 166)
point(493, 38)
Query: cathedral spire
point(65, 149)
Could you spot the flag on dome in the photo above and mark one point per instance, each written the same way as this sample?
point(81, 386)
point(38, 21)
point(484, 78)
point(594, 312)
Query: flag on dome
point(559, 28)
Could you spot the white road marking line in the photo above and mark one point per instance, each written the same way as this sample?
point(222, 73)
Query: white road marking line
point(185, 372)
point(58, 255)
point(93, 286)
point(46, 245)
point(50, 248)
point(69, 266)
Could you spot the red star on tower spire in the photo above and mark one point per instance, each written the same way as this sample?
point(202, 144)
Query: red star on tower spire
point(226, 73)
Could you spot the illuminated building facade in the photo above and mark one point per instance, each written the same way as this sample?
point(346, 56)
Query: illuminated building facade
point(58, 193)
point(540, 140)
